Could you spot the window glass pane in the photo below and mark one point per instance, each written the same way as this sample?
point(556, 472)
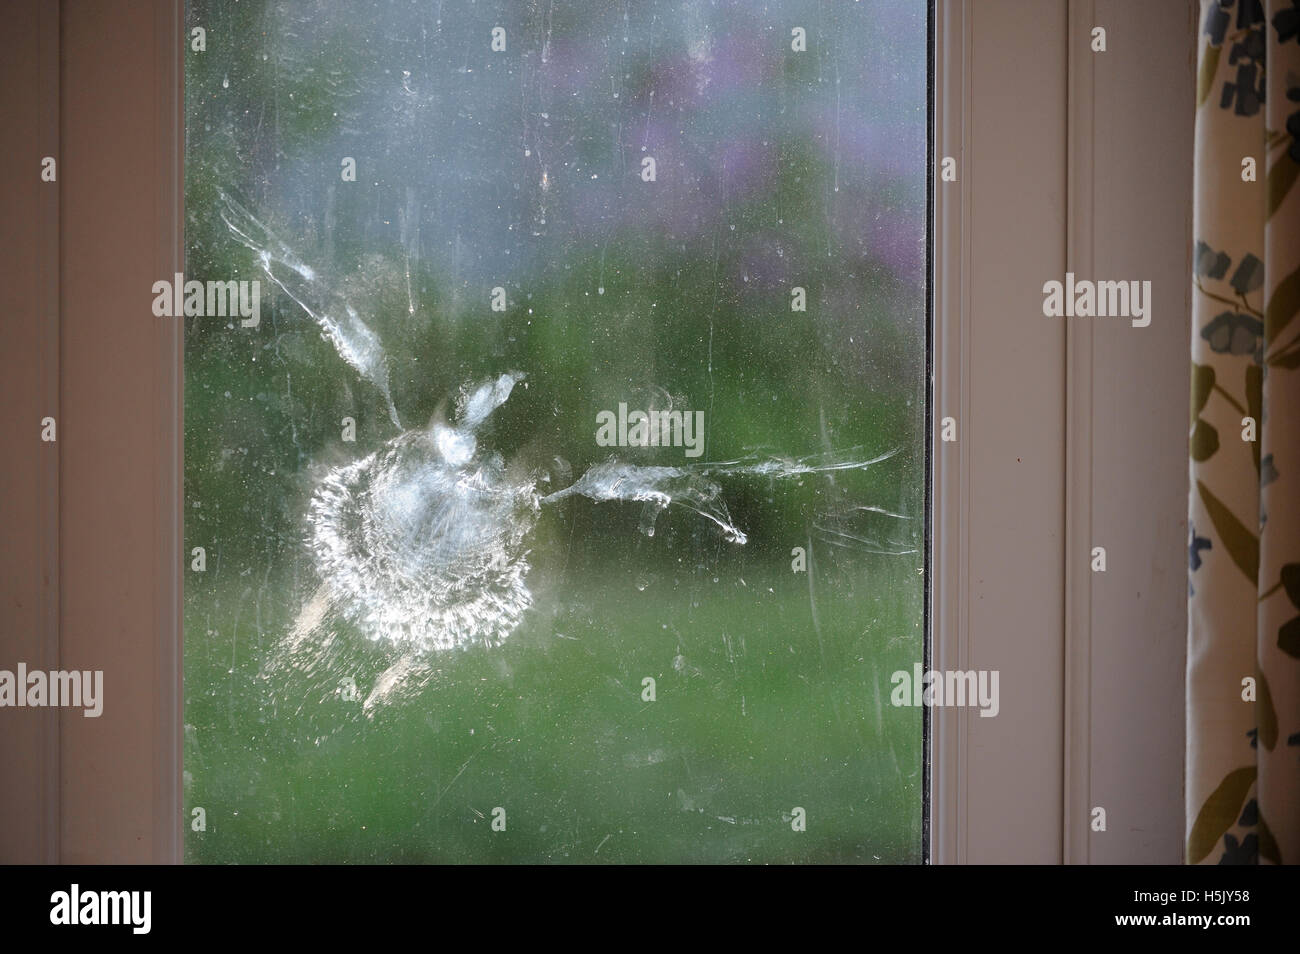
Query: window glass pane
point(560, 495)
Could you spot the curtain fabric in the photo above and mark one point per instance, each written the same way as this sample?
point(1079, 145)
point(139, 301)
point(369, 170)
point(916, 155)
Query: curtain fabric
point(1243, 661)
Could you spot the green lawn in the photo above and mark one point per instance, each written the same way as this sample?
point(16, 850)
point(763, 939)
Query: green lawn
point(757, 711)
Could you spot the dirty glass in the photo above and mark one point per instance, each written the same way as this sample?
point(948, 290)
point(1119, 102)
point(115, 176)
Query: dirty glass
point(554, 481)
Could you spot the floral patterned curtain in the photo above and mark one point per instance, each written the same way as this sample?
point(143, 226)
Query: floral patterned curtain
point(1243, 660)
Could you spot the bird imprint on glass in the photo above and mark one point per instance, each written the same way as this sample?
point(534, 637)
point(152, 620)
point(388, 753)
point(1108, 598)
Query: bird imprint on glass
point(423, 544)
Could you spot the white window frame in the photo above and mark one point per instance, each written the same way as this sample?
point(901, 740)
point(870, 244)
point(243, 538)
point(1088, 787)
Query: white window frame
point(1072, 433)
point(1069, 436)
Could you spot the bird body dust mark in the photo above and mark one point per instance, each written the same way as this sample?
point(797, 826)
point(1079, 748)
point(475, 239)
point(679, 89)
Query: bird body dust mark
point(423, 544)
